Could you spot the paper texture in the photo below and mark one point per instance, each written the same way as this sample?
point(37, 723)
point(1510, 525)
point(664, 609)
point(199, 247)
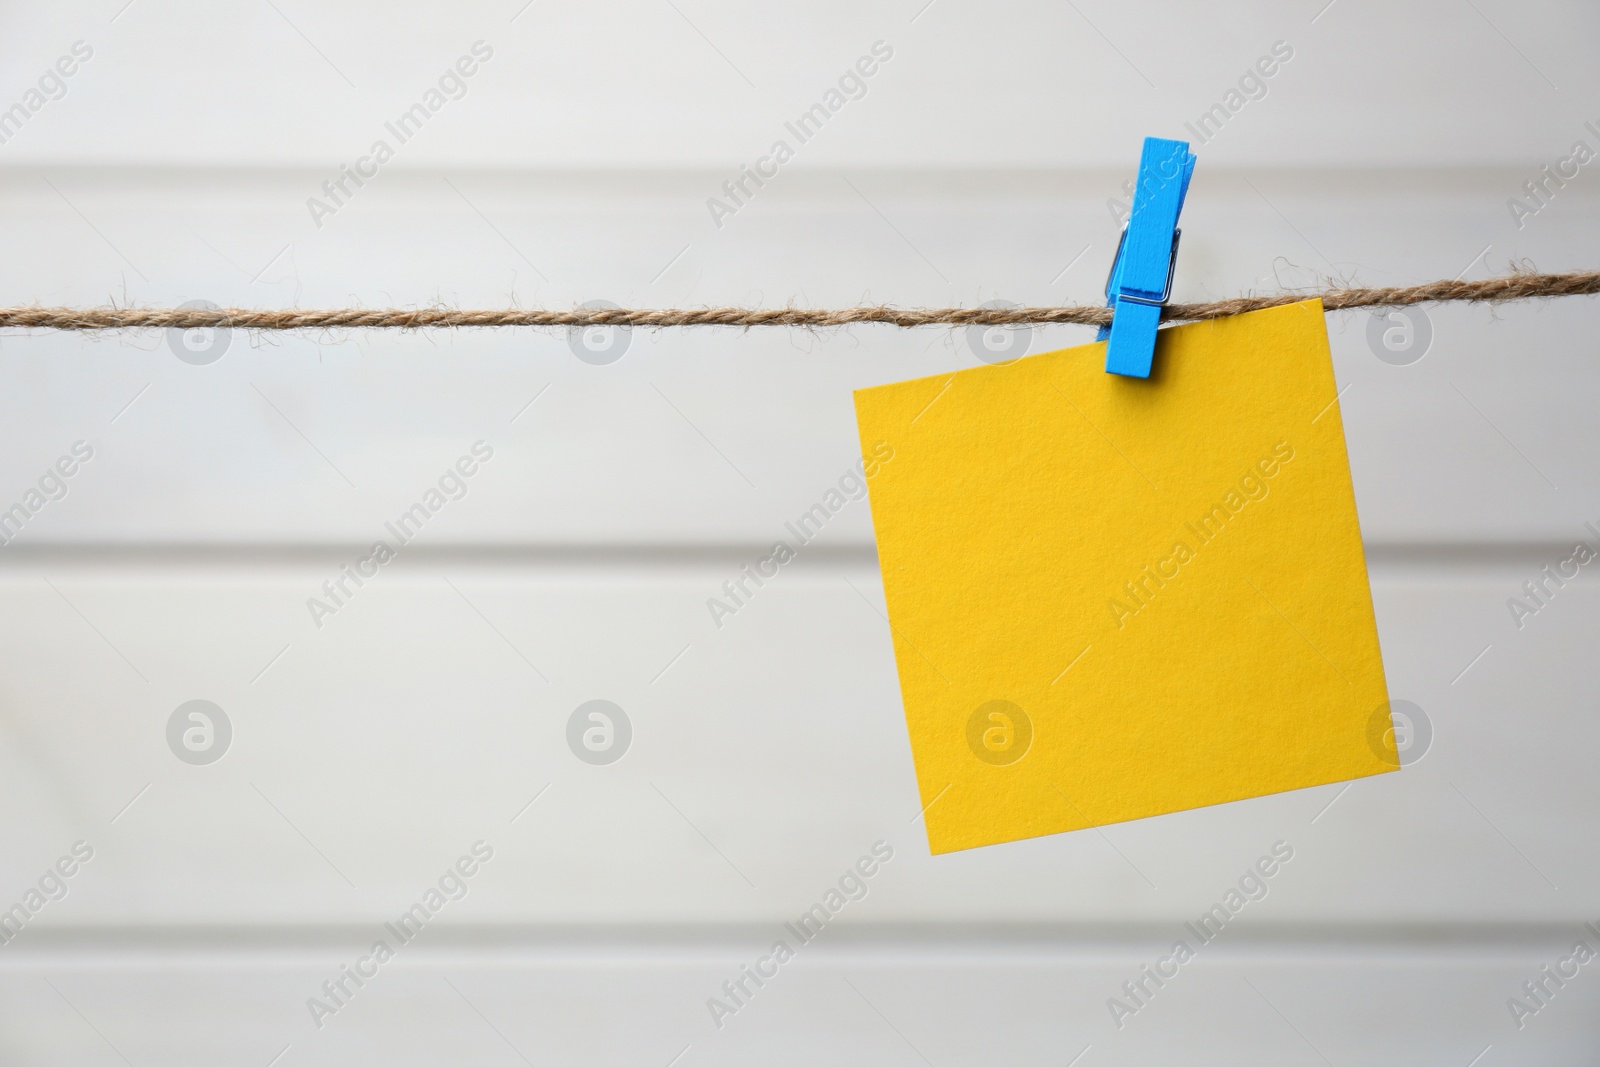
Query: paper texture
point(1112, 598)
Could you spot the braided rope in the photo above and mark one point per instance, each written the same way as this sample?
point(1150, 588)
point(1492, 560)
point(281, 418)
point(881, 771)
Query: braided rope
point(1491, 290)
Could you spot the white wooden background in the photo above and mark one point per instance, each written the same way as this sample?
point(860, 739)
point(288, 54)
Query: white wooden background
point(768, 755)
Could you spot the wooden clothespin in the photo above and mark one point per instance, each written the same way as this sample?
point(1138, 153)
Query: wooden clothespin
point(1141, 274)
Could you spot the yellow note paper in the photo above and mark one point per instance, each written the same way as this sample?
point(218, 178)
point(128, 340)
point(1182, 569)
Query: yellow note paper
point(1112, 598)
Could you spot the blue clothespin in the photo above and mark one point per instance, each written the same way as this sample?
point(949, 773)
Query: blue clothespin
point(1141, 274)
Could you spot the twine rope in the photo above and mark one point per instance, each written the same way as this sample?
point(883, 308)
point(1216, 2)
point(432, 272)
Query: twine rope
point(1518, 286)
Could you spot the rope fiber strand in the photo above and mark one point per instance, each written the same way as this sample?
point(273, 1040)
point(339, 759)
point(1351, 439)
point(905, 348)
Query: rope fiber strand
point(1519, 286)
